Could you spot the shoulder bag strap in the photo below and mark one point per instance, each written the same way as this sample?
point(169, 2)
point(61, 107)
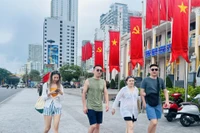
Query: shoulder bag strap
point(158, 86)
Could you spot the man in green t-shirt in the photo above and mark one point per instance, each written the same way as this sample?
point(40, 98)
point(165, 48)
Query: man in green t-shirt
point(95, 88)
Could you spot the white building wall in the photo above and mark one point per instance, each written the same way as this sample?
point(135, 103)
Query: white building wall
point(64, 34)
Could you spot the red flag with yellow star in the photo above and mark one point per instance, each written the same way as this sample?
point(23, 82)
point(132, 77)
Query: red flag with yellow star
point(180, 30)
point(114, 50)
point(98, 54)
point(195, 3)
point(136, 41)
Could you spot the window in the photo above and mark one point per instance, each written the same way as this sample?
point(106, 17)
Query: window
point(60, 21)
point(60, 54)
point(60, 39)
point(61, 25)
point(60, 46)
point(60, 32)
point(60, 43)
point(60, 36)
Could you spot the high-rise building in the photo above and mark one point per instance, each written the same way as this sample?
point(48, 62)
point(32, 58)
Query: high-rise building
point(35, 52)
point(118, 16)
point(35, 57)
point(60, 42)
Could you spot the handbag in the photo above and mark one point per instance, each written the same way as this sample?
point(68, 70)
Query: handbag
point(153, 98)
point(39, 106)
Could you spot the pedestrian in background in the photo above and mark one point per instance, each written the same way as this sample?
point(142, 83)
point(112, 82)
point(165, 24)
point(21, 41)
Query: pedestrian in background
point(52, 92)
point(128, 97)
point(95, 87)
point(150, 94)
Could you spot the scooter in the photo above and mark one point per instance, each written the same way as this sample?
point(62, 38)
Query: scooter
point(171, 112)
point(190, 112)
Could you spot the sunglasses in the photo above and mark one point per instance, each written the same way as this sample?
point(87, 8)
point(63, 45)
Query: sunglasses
point(156, 69)
point(99, 70)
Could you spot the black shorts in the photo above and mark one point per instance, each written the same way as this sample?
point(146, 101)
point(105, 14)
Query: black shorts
point(95, 117)
point(130, 119)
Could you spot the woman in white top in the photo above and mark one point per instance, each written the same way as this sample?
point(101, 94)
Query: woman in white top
point(128, 97)
point(52, 92)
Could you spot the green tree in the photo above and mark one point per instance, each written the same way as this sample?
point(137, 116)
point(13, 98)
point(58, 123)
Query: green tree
point(4, 75)
point(34, 75)
point(13, 80)
point(69, 72)
point(122, 84)
point(112, 84)
point(25, 78)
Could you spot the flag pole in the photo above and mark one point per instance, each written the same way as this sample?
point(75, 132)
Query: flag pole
point(166, 43)
point(186, 64)
point(144, 64)
point(119, 54)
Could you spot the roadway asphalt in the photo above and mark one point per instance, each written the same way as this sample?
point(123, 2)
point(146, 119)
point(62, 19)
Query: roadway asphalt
point(6, 93)
point(17, 115)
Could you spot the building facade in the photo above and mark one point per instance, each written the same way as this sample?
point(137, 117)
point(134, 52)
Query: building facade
point(35, 57)
point(157, 49)
point(118, 16)
point(60, 33)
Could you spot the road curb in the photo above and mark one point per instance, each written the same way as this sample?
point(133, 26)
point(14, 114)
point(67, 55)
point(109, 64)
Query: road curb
point(10, 97)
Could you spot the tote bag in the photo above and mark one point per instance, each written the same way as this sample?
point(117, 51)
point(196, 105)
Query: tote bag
point(39, 106)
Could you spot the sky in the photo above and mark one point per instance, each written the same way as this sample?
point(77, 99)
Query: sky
point(22, 24)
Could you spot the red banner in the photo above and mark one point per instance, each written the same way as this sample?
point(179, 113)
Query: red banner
point(180, 30)
point(195, 3)
point(88, 50)
point(136, 41)
point(98, 55)
point(149, 13)
point(155, 15)
point(83, 53)
point(164, 7)
point(114, 50)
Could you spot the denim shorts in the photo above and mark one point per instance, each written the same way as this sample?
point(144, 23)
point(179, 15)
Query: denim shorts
point(52, 110)
point(154, 112)
point(95, 117)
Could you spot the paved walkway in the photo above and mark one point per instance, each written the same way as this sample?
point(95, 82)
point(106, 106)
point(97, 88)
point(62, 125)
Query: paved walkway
point(17, 115)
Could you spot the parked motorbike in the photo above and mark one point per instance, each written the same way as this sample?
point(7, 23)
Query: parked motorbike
point(171, 112)
point(190, 112)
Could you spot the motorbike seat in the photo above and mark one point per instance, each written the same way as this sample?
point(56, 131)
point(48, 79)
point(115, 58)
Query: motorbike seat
point(189, 103)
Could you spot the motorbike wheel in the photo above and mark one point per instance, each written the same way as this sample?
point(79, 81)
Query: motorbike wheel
point(169, 118)
point(184, 120)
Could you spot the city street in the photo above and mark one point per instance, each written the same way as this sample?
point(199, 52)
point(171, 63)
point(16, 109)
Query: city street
point(17, 115)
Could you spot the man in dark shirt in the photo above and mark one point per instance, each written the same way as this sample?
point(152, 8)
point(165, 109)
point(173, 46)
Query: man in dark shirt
point(150, 88)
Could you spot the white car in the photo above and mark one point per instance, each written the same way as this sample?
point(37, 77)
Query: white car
point(20, 86)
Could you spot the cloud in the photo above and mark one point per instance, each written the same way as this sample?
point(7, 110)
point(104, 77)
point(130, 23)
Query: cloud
point(22, 24)
point(5, 37)
point(11, 65)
